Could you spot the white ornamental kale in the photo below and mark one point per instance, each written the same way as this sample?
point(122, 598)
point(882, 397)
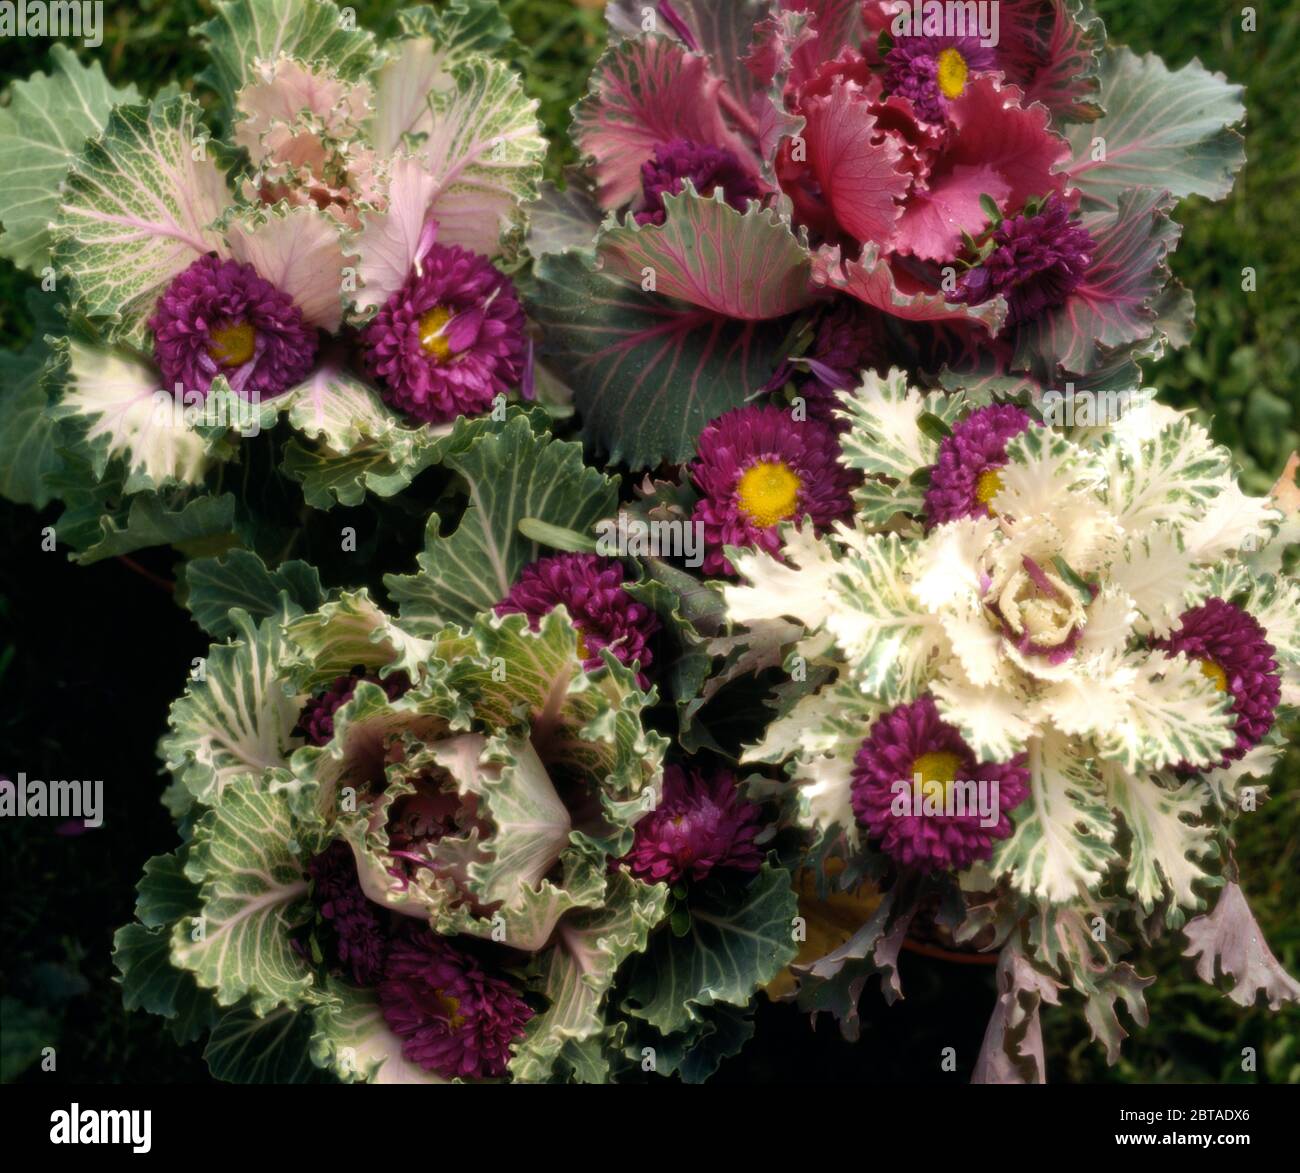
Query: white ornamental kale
point(1098, 620)
point(397, 855)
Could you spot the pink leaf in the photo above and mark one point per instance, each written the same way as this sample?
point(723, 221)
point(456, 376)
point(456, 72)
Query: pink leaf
point(643, 93)
point(856, 164)
point(1230, 938)
point(896, 292)
point(300, 253)
point(390, 241)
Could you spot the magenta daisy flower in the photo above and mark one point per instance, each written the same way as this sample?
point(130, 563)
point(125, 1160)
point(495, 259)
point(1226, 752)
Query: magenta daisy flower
point(756, 467)
point(450, 340)
point(454, 1018)
point(316, 721)
point(357, 926)
point(591, 589)
point(1233, 651)
point(965, 478)
point(912, 742)
point(932, 71)
point(701, 824)
point(222, 318)
point(708, 168)
point(1039, 261)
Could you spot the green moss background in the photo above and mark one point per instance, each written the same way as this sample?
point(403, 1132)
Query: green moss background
point(64, 895)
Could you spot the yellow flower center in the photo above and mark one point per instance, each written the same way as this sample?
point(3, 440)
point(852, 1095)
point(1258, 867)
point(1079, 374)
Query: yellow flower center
point(452, 1006)
point(952, 73)
point(769, 492)
point(1215, 673)
point(232, 346)
point(432, 339)
point(938, 771)
point(988, 486)
point(584, 652)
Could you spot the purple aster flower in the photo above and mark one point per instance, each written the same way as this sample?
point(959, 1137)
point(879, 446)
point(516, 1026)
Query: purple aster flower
point(591, 588)
point(965, 478)
point(450, 340)
point(316, 721)
point(756, 467)
point(1233, 651)
point(931, 71)
point(358, 927)
point(1038, 263)
point(706, 167)
point(910, 740)
point(701, 824)
point(453, 1017)
point(222, 318)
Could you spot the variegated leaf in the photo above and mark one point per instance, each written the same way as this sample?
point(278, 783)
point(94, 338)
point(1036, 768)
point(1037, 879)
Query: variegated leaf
point(1062, 844)
point(1171, 477)
point(139, 206)
point(313, 31)
point(245, 860)
point(235, 720)
point(1175, 714)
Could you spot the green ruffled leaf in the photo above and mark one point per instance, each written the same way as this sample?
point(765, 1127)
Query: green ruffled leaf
point(352, 443)
point(150, 521)
point(433, 41)
point(1170, 130)
point(312, 31)
point(351, 1039)
point(576, 974)
point(237, 721)
point(741, 936)
point(44, 126)
point(28, 436)
point(246, 1048)
point(1169, 840)
point(150, 982)
point(165, 892)
point(347, 631)
point(1064, 835)
point(244, 857)
point(239, 578)
point(114, 409)
point(472, 569)
point(140, 205)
